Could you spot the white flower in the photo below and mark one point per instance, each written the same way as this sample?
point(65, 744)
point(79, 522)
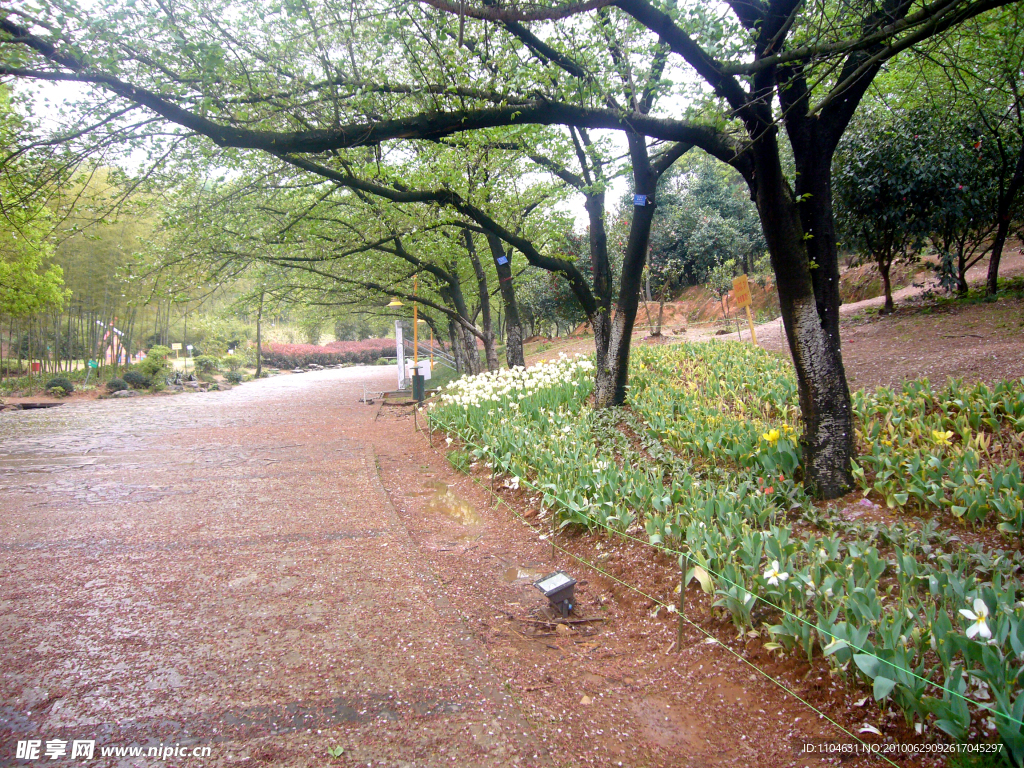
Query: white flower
point(978, 616)
point(812, 588)
point(773, 575)
point(448, 440)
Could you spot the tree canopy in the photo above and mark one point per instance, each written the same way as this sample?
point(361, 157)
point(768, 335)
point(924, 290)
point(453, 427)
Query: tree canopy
point(346, 91)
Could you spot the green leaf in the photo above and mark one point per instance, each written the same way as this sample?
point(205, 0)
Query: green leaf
point(867, 664)
point(883, 687)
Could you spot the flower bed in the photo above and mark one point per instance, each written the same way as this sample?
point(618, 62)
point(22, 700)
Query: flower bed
point(705, 464)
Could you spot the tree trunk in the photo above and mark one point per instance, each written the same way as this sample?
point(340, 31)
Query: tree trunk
point(485, 303)
point(601, 320)
point(463, 339)
point(473, 363)
point(613, 372)
point(883, 268)
point(1003, 222)
point(457, 352)
point(513, 325)
point(809, 302)
point(661, 310)
point(961, 271)
point(259, 337)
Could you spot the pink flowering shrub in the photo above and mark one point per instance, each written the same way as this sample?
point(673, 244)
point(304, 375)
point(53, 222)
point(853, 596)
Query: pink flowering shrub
point(364, 352)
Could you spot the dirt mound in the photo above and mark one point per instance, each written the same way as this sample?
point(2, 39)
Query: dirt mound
point(698, 304)
point(865, 281)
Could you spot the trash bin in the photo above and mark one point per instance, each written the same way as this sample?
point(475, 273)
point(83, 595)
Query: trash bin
point(417, 387)
point(36, 367)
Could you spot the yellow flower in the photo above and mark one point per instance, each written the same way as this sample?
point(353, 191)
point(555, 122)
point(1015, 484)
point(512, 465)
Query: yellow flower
point(941, 438)
point(771, 437)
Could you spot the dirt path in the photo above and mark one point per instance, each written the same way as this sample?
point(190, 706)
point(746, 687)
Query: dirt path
point(975, 342)
point(233, 570)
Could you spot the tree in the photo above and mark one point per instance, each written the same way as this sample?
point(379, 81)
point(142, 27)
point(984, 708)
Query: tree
point(981, 80)
point(884, 184)
point(963, 199)
point(814, 62)
point(30, 282)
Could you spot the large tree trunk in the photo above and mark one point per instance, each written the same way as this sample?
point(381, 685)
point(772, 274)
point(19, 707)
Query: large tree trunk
point(485, 303)
point(513, 325)
point(613, 372)
point(465, 339)
point(457, 351)
point(600, 321)
point(809, 301)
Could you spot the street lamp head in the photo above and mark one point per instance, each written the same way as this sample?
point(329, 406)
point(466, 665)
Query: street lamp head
point(396, 303)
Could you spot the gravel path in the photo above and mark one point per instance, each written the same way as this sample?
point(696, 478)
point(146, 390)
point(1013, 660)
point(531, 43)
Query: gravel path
point(226, 570)
point(280, 569)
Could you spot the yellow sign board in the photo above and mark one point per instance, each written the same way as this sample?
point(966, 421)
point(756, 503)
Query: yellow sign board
point(741, 291)
point(175, 346)
point(741, 297)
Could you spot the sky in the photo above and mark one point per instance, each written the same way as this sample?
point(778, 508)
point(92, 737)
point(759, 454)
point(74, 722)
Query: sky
point(52, 102)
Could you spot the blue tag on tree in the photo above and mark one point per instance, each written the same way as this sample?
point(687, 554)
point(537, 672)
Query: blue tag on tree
point(502, 260)
point(640, 200)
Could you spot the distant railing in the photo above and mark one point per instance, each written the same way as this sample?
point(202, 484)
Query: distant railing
point(426, 351)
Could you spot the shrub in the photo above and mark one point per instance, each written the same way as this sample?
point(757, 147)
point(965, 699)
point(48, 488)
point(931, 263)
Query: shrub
point(116, 385)
point(60, 382)
point(234, 377)
point(234, 362)
point(154, 366)
point(158, 350)
point(137, 380)
point(207, 363)
point(365, 352)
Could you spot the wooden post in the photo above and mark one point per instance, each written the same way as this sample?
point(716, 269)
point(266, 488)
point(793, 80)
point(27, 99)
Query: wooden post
point(750, 322)
point(679, 610)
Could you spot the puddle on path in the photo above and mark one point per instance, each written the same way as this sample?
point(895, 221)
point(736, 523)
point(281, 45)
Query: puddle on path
point(447, 503)
point(517, 572)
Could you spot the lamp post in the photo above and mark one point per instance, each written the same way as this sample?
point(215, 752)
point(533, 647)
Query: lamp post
point(415, 328)
point(417, 377)
point(399, 350)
